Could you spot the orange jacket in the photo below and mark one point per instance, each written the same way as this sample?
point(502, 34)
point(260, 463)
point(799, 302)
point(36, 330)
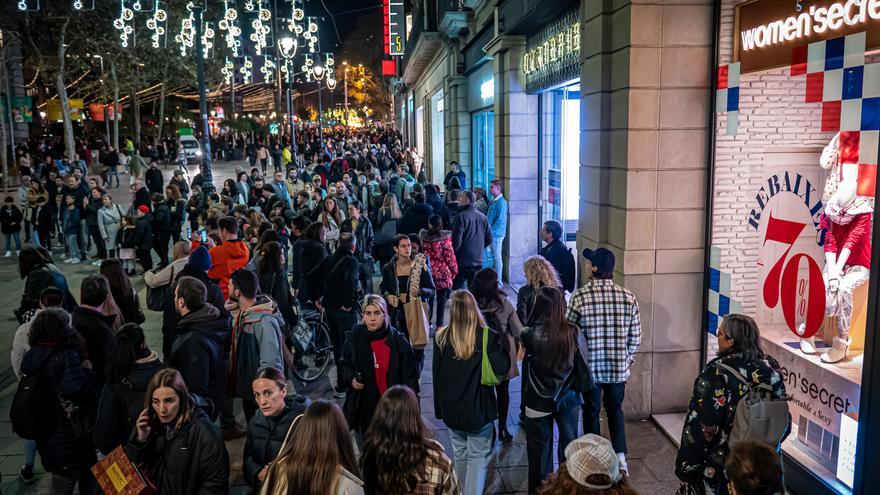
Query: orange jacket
point(225, 259)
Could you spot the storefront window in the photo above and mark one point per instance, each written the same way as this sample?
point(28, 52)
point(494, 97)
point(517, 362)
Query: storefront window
point(420, 131)
point(484, 148)
point(437, 137)
point(795, 153)
point(560, 114)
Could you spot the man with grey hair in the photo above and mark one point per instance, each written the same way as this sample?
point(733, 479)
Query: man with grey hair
point(470, 237)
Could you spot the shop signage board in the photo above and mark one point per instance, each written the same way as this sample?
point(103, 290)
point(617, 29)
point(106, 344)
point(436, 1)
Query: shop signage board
point(768, 30)
point(395, 24)
point(553, 55)
point(53, 109)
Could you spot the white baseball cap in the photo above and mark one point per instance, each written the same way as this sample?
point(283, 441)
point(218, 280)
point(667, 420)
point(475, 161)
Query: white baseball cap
point(589, 455)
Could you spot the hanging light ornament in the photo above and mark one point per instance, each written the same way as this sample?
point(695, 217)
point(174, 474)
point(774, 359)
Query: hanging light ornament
point(262, 29)
point(158, 24)
point(229, 26)
point(268, 69)
point(83, 5)
point(123, 23)
point(245, 70)
point(228, 70)
point(187, 35)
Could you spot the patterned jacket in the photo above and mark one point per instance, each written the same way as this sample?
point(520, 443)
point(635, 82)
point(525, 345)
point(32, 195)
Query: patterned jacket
point(704, 439)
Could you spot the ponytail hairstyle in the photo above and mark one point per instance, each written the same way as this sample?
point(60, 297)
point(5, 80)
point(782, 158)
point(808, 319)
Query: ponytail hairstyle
point(130, 347)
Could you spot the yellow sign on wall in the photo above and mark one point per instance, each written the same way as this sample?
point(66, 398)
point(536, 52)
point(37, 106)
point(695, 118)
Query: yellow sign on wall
point(53, 109)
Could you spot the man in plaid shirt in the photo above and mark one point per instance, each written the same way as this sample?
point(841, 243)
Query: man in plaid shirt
point(608, 315)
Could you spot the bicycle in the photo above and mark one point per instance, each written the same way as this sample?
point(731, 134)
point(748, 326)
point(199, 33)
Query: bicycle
point(310, 345)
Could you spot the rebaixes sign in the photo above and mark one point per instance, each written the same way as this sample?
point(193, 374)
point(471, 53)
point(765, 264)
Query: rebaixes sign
point(767, 30)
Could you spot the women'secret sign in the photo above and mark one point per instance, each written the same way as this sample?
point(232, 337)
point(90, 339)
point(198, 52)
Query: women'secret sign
point(769, 29)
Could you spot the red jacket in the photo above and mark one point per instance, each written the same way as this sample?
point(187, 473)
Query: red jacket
point(225, 259)
point(855, 236)
point(438, 249)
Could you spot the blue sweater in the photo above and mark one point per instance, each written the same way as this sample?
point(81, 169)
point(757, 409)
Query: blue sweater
point(497, 216)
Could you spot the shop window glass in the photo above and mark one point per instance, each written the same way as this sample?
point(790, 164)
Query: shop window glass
point(483, 149)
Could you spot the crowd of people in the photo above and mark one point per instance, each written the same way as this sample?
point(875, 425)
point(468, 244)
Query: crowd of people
point(236, 267)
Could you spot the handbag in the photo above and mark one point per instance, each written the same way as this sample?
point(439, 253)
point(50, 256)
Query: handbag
point(414, 309)
point(487, 374)
point(127, 254)
point(387, 232)
point(157, 297)
point(117, 475)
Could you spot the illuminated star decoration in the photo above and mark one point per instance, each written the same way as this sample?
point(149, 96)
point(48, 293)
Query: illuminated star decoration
point(123, 23)
point(158, 24)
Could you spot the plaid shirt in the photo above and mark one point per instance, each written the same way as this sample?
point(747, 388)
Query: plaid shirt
point(608, 315)
point(441, 476)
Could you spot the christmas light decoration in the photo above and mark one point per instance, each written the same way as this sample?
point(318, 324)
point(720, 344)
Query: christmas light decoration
point(158, 24)
point(123, 23)
point(186, 36)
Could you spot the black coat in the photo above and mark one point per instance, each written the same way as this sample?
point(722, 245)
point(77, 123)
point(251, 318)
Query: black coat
point(91, 211)
point(546, 389)
point(120, 405)
point(199, 353)
point(10, 219)
point(390, 285)
point(415, 218)
point(265, 436)
point(562, 260)
point(307, 254)
point(170, 316)
point(462, 402)
point(338, 273)
point(364, 236)
point(141, 197)
point(182, 185)
point(143, 232)
point(274, 284)
point(97, 330)
point(178, 213)
point(153, 179)
point(64, 375)
point(191, 459)
point(161, 218)
point(38, 279)
point(470, 236)
point(357, 359)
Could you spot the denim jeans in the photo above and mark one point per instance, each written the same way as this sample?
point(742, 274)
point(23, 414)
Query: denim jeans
point(471, 452)
point(609, 395)
point(539, 443)
point(496, 259)
point(72, 241)
point(30, 452)
point(13, 236)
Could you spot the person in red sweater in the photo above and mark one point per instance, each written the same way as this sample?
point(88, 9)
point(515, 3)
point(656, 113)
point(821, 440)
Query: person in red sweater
point(437, 246)
point(229, 256)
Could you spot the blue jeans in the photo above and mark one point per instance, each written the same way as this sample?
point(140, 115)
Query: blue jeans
point(17, 236)
point(30, 452)
point(539, 443)
point(611, 396)
point(471, 452)
point(496, 259)
point(73, 245)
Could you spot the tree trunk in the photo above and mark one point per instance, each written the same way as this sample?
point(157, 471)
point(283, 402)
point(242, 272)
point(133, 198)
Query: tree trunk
point(116, 108)
point(69, 144)
point(4, 127)
point(136, 116)
point(162, 104)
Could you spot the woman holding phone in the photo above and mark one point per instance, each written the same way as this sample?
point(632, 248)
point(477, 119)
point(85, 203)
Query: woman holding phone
point(174, 438)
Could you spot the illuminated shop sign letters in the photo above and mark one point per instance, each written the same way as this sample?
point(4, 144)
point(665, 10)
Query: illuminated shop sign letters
point(552, 56)
point(557, 47)
point(768, 30)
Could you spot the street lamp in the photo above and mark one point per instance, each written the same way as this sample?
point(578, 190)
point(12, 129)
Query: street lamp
point(318, 70)
point(331, 83)
point(287, 46)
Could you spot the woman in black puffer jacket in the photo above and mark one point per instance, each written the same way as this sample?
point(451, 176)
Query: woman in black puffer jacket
point(56, 354)
point(271, 425)
point(38, 272)
point(128, 370)
point(182, 449)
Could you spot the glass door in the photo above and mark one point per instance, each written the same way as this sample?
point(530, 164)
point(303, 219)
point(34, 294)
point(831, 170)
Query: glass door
point(438, 141)
point(483, 148)
point(560, 158)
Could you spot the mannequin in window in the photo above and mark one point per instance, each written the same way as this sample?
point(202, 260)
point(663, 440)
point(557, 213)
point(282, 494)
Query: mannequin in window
point(847, 222)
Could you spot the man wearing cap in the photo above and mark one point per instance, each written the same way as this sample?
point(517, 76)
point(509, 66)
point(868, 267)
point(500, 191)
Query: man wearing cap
point(143, 237)
point(179, 180)
point(608, 315)
point(590, 462)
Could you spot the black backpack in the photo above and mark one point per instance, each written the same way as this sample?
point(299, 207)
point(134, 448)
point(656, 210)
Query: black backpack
point(30, 406)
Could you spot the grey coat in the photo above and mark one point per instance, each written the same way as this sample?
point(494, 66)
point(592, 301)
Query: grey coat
point(109, 221)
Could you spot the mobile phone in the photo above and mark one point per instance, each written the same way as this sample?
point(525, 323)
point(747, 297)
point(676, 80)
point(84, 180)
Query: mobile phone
point(204, 236)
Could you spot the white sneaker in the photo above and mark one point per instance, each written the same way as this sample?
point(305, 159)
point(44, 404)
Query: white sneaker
point(808, 346)
point(621, 457)
point(837, 351)
point(97, 262)
point(8, 254)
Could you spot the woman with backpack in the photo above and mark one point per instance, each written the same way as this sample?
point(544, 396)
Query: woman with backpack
point(500, 315)
point(463, 398)
point(550, 344)
point(60, 414)
point(705, 439)
point(128, 370)
point(271, 425)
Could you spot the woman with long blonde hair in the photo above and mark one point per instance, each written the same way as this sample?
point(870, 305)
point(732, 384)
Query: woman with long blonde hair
point(539, 273)
point(318, 458)
point(461, 400)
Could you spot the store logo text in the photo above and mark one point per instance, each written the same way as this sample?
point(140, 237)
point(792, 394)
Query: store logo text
point(816, 20)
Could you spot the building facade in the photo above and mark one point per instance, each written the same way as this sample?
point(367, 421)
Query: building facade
point(686, 137)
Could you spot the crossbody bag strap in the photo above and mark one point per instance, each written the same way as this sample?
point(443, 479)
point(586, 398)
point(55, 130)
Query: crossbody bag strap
point(761, 386)
point(289, 431)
